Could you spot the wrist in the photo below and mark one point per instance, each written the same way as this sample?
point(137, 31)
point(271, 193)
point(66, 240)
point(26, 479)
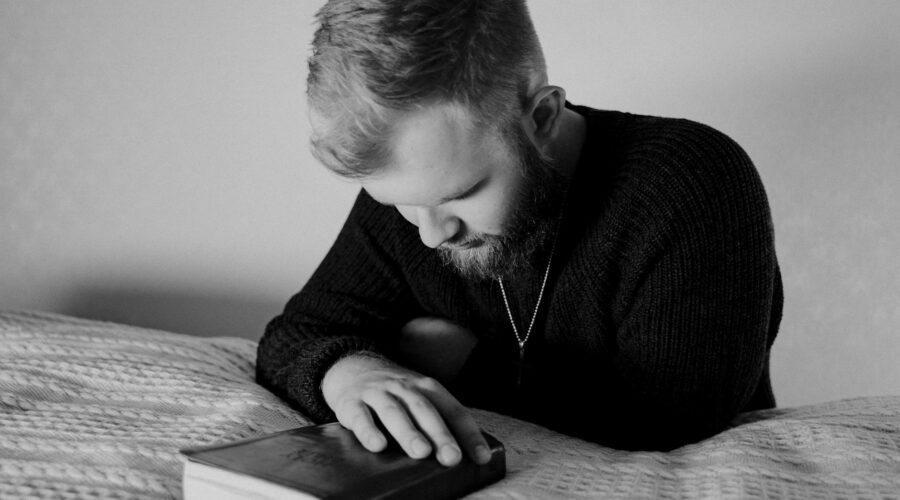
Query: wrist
point(346, 368)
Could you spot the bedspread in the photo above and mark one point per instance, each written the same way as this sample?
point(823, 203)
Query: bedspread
point(99, 410)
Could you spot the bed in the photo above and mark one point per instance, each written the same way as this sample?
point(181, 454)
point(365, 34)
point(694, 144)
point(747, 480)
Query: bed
point(91, 409)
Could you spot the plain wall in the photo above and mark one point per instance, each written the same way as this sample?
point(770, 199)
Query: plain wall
point(154, 166)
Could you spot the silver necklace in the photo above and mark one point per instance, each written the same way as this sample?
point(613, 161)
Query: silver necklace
point(519, 339)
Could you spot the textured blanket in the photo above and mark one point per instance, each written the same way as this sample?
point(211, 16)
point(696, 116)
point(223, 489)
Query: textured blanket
point(99, 410)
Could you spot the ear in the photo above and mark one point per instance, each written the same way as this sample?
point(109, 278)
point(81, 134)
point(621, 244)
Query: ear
point(544, 114)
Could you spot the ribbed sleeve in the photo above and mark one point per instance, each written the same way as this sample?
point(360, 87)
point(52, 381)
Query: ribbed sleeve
point(694, 339)
point(355, 301)
point(295, 366)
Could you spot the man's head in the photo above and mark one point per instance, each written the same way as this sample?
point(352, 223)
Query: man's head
point(441, 109)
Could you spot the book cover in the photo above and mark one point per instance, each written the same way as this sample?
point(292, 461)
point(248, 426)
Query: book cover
point(327, 462)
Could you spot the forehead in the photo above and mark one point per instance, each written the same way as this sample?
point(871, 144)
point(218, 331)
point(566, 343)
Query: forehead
point(434, 151)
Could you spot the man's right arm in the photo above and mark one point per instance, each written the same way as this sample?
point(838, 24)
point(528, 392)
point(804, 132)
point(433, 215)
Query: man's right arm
point(354, 301)
point(325, 352)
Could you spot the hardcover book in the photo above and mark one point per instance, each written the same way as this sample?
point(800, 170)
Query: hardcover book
point(327, 462)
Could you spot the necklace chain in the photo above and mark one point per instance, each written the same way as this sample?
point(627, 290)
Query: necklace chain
point(519, 339)
point(537, 307)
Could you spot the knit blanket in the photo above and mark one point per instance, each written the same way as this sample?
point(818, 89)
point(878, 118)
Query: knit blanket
point(99, 410)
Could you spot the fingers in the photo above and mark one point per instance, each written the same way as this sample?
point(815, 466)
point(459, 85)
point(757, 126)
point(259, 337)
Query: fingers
point(393, 414)
point(355, 415)
point(430, 422)
point(459, 420)
point(448, 424)
point(421, 415)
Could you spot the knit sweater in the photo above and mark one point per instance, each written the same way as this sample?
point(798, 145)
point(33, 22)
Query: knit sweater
point(657, 319)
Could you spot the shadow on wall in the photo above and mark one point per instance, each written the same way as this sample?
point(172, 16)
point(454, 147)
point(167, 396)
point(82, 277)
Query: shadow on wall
point(195, 313)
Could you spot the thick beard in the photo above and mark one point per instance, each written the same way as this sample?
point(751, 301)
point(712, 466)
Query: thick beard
point(533, 224)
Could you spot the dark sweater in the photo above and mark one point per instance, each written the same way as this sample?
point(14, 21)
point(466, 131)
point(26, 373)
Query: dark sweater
point(662, 304)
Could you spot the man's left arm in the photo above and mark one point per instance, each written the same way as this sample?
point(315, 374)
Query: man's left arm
point(693, 346)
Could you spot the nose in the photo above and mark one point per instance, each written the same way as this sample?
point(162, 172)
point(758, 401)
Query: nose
point(436, 226)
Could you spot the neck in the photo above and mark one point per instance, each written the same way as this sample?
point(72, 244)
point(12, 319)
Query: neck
point(570, 140)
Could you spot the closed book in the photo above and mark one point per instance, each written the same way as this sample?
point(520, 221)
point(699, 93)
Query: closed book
point(327, 462)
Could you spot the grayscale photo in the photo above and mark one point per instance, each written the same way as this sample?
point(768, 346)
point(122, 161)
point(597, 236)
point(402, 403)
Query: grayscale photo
point(492, 249)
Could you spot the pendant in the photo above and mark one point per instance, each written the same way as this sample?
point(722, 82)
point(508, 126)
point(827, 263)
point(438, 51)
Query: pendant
point(521, 363)
point(521, 341)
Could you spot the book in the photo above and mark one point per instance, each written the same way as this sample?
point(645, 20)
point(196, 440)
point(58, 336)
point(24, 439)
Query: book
point(327, 462)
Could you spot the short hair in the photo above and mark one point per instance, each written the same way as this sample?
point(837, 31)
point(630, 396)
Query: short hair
point(374, 60)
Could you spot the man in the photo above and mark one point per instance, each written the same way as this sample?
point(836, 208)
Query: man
point(608, 275)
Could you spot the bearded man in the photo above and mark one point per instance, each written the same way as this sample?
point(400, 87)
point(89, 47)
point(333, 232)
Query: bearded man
point(608, 275)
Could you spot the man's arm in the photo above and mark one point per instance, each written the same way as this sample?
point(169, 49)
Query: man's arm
point(694, 340)
point(693, 348)
point(337, 329)
point(354, 301)
point(697, 296)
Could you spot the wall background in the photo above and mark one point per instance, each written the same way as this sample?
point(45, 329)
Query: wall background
point(154, 167)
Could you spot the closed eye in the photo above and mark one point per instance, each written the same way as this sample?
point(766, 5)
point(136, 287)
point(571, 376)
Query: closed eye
point(464, 194)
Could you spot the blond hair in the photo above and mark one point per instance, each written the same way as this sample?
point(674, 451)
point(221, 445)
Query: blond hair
point(374, 60)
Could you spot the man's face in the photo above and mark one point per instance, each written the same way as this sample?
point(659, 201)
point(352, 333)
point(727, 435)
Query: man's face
point(485, 201)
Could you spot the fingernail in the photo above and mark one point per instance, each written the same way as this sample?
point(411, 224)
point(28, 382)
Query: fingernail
point(482, 454)
point(450, 454)
point(419, 447)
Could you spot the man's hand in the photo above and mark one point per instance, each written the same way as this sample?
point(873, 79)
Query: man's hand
point(417, 411)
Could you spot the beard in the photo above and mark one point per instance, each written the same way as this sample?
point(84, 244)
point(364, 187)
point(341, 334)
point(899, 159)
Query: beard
point(533, 223)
